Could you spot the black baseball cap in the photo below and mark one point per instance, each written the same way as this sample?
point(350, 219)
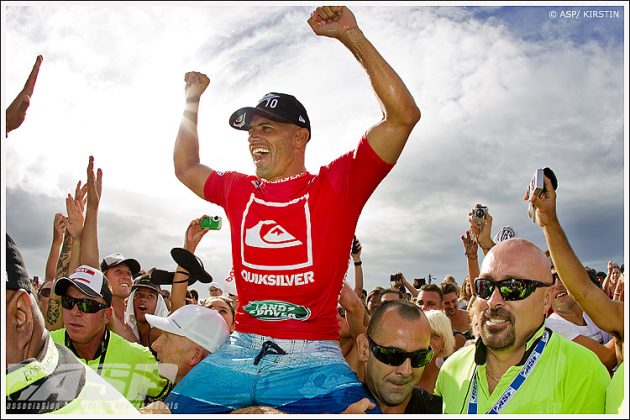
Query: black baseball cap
point(275, 106)
point(17, 277)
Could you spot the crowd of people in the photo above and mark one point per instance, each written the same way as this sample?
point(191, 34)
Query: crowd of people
point(528, 331)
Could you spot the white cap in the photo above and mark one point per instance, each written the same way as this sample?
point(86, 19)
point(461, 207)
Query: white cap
point(217, 284)
point(199, 324)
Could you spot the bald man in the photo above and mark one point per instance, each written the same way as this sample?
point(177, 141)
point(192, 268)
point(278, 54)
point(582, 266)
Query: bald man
point(518, 366)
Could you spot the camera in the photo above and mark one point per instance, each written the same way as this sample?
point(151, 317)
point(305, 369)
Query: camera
point(395, 278)
point(537, 184)
point(355, 245)
point(419, 282)
point(479, 214)
point(211, 222)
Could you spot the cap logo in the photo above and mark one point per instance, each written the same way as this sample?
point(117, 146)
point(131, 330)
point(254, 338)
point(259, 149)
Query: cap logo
point(270, 100)
point(240, 121)
point(85, 270)
point(302, 120)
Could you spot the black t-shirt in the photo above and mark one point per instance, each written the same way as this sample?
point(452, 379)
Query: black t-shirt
point(423, 402)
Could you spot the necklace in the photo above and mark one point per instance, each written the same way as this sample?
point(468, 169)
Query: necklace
point(491, 376)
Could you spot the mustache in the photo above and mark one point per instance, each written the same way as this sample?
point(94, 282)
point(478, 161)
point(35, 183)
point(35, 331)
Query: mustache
point(498, 313)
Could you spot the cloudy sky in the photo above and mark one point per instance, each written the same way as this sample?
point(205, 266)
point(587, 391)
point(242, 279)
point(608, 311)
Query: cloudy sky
point(503, 91)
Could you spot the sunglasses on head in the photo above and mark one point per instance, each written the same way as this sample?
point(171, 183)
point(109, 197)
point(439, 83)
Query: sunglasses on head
point(395, 357)
point(88, 306)
point(45, 292)
point(510, 289)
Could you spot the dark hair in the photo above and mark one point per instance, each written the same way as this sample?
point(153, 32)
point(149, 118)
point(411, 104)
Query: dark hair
point(448, 288)
point(399, 292)
point(375, 294)
point(194, 294)
point(405, 309)
point(433, 288)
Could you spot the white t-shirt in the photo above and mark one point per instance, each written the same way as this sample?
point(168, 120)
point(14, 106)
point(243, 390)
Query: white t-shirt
point(569, 330)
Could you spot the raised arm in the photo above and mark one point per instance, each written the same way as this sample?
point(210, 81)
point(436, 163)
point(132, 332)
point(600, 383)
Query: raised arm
point(358, 266)
point(400, 113)
point(194, 234)
point(89, 235)
point(59, 228)
point(471, 251)
point(607, 315)
point(188, 168)
point(75, 207)
point(16, 112)
point(408, 285)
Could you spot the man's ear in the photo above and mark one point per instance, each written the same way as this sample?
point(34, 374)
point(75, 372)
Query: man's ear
point(547, 303)
point(198, 355)
point(108, 314)
point(20, 314)
point(301, 137)
point(363, 346)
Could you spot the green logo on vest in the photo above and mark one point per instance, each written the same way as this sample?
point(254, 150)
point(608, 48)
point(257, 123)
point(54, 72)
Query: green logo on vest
point(274, 310)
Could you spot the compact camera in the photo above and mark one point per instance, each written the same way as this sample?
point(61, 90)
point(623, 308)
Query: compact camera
point(537, 184)
point(394, 278)
point(479, 214)
point(211, 222)
point(536, 187)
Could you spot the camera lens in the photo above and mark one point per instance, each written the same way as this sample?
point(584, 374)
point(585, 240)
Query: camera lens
point(479, 213)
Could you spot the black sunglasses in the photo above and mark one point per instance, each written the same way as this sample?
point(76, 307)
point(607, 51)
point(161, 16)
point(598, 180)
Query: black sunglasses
point(342, 312)
point(510, 289)
point(45, 292)
point(88, 306)
point(395, 357)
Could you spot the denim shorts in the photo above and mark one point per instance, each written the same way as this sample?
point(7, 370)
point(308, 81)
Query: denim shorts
point(249, 369)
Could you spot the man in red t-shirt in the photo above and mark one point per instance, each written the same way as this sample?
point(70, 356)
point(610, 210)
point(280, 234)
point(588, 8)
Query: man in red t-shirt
point(290, 231)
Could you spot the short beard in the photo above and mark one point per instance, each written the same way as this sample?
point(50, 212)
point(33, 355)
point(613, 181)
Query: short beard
point(503, 339)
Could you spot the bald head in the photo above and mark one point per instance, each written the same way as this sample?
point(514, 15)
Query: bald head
point(517, 257)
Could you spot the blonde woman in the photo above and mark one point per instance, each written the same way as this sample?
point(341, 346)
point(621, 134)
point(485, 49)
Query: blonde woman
point(443, 345)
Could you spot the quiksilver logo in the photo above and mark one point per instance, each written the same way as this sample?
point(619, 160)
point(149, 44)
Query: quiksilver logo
point(274, 310)
point(240, 121)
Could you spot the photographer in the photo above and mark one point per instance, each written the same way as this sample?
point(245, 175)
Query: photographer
point(399, 282)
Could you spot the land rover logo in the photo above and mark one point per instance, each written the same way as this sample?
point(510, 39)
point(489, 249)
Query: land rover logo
point(274, 310)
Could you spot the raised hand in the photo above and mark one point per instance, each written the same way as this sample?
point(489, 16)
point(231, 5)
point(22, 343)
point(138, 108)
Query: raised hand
point(94, 185)
point(470, 245)
point(196, 84)
point(332, 21)
point(194, 234)
point(16, 112)
point(544, 205)
point(59, 227)
point(481, 232)
point(75, 220)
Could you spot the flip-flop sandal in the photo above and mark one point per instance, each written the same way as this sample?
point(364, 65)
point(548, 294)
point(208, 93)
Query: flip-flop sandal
point(191, 263)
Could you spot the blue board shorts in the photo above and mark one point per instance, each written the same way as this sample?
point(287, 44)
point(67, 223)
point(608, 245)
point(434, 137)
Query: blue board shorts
point(250, 370)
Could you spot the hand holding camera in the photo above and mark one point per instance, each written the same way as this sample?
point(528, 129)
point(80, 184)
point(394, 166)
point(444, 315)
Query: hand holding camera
point(542, 202)
point(536, 188)
point(396, 281)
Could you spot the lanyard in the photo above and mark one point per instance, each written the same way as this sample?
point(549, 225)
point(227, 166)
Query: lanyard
point(511, 390)
point(26, 374)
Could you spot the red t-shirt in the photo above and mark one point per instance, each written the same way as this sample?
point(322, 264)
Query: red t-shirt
point(291, 242)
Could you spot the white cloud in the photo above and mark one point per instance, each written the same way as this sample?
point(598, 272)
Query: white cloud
point(496, 104)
